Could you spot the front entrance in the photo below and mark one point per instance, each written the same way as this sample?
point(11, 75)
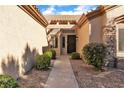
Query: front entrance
point(71, 43)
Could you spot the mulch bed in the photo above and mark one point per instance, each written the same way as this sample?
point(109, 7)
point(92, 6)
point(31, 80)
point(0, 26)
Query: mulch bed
point(34, 78)
point(87, 77)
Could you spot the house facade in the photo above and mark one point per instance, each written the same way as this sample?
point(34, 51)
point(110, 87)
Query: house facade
point(25, 31)
point(22, 36)
point(67, 33)
point(104, 25)
point(61, 32)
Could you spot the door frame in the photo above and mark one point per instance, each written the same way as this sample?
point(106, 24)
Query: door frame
point(68, 41)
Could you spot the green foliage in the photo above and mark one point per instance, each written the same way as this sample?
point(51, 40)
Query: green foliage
point(48, 53)
point(75, 55)
point(43, 62)
point(53, 53)
point(7, 81)
point(94, 54)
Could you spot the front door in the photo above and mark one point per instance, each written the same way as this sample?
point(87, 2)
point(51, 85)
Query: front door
point(71, 43)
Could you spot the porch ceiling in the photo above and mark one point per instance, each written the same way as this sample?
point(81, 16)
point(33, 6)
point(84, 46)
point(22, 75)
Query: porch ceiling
point(54, 31)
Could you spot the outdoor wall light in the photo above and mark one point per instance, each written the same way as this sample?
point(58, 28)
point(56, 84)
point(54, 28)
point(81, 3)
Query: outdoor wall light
point(76, 37)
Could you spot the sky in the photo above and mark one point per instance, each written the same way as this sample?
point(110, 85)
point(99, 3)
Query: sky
point(65, 9)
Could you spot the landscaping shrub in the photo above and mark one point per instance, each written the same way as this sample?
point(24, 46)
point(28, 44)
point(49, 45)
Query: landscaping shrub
point(48, 53)
point(7, 81)
point(53, 53)
point(43, 62)
point(94, 54)
point(75, 55)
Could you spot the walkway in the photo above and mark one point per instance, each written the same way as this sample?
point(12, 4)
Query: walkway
point(62, 75)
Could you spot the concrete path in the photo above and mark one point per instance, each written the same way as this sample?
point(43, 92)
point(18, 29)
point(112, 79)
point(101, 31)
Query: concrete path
point(62, 75)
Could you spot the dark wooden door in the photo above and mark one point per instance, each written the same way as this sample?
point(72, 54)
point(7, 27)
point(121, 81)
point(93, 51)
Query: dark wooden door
point(71, 43)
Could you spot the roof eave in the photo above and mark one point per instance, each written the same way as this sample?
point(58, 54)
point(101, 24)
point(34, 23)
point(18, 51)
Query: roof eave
point(34, 13)
point(95, 13)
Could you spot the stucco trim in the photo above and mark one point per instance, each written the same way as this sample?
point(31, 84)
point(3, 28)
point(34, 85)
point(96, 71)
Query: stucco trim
point(82, 20)
point(110, 7)
point(119, 19)
point(34, 13)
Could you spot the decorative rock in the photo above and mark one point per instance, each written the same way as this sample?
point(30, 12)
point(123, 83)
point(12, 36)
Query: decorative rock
point(109, 39)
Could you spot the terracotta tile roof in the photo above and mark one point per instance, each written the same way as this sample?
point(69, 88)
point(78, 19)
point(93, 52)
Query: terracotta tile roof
point(62, 17)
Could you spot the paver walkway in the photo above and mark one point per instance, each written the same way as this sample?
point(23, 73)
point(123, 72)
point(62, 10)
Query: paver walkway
point(62, 75)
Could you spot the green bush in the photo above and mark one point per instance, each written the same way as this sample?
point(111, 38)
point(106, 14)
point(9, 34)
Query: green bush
point(7, 81)
point(75, 55)
point(42, 62)
point(48, 53)
point(53, 53)
point(94, 54)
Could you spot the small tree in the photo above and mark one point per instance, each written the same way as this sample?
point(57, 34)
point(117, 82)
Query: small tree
point(94, 54)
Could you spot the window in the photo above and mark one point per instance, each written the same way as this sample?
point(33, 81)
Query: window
point(54, 41)
point(63, 42)
point(120, 40)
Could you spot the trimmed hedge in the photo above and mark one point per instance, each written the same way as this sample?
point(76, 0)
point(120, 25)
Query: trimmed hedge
point(53, 53)
point(42, 62)
point(7, 81)
point(75, 55)
point(94, 54)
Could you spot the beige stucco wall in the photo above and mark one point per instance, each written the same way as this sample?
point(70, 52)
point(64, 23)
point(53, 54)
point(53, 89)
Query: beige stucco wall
point(112, 13)
point(95, 30)
point(82, 34)
point(17, 30)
